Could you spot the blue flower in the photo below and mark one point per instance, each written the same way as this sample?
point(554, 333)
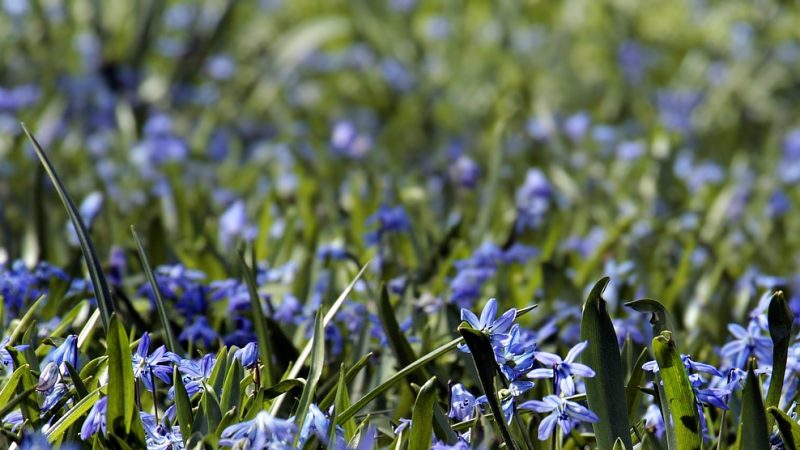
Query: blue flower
point(516, 358)
point(387, 220)
point(195, 373)
point(96, 420)
point(160, 436)
point(159, 364)
point(749, 342)
point(48, 377)
point(233, 225)
point(89, 209)
point(316, 424)
point(404, 424)
point(248, 355)
point(67, 352)
point(262, 432)
point(38, 441)
point(653, 421)
point(460, 444)
point(564, 413)
point(489, 323)
point(199, 331)
point(533, 200)
point(462, 403)
point(562, 370)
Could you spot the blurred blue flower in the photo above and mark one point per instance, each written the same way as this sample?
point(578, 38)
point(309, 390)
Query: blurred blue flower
point(262, 432)
point(676, 108)
point(748, 342)
point(89, 209)
point(465, 172)
point(316, 424)
point(653, 421)
point(562, 370)
point(386, 220)
point(200, 331)
point(564, 413)
point(233, 225)
point(576, 126)
point(533, 199)
point(347, 140)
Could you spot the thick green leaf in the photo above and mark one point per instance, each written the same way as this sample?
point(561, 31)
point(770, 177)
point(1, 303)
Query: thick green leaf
point(788, 428)
point(679, 401)
point(315, 372)
point(10, 384)
point(259, 322)
point(169, 336)
point(422, 417)
point(605, 391)
point(183, 406)
point(121, 411)
point(283, 387)
point(230, 388)
point(103, 295)
point(23, 395)
point(76, 412)
point(780, 319)
point(25, 323)
point(483, 356)
point(660, 320)
point(753, 431)
point(211, 410)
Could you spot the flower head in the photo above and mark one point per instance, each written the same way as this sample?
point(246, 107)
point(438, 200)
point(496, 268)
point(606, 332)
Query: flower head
point(262, 432)
point(562, 369)
point(564, 413)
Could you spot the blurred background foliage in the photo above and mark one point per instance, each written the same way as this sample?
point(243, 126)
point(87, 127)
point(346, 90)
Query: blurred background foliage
point(665, 134)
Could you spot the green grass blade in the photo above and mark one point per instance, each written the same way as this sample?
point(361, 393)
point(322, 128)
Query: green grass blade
point(341, 404)
point(301, 359)
point(169, 336)
point(605, 391)
point(780, 319)
point(121, 411)
point(483, 356)
point(660, 320)
point(349, 376)
point(103, 295)
point(753, 431)
point(788, 428)
point(183, 406)
point(679, 401)
point(259, 322)
point(314, 374)
point(27, 382)
point(422, 417)
point(394, 379)
point(58, 429)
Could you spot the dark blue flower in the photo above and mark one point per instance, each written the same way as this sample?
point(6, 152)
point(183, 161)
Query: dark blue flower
point(248, 355)
point(199, 331)
point(149, 366)
point(386, 220)
point(749, 342)
point(462, 403)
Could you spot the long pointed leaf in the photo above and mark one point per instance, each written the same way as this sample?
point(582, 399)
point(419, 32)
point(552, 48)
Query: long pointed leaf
point(76, 412)
point(753, 431)
point(788, 428)
point(679, 401)
point(422, 417)
point(183, 407)
point(103, 295)
point(121, 411)
point(169, 336)
point(780, 319)
point(483, 356)
point(259, 322)
point(605, 391)
point(314, 374)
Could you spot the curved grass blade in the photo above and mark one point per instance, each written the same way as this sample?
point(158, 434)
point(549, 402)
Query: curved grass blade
point(103, 295)
point(780, 319)
point(314, 374)
point(169, 336)
point(605, 391)
point(183, 406)
point(788, 428)
point(230, 388)
point(394, 379)
point(753, 431)
point(349, 375)
point(16, 400)
point(341, 404)
point(76, 412)
point(632, 391)
point(25, 322)
point(29, 406)
point(259, 322)
point(283, 387)
point(295, 370)
point(422, 417)
point(679, 401)
point(483, 356)
point(121, 412)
